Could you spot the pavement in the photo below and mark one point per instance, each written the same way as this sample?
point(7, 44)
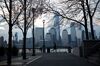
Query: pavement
point(50, 59)
point(60, 59)
point(18, 61)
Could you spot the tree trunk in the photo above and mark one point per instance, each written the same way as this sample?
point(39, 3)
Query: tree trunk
point(91, 26)
point(9, 53)
point(9, 46)
point(85, 19)
point(91, 20)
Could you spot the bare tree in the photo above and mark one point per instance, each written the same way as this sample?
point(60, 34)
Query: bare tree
point(11, 18)
point(27, 19)
point(85, 19)
point(91, 12)
point(71, 10)
point(25, 22)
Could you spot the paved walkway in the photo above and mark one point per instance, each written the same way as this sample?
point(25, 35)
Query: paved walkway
point(50, 59)
point(20, 62)
point(60, 59)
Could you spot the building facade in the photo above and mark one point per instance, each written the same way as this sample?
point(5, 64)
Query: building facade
point(65, 38)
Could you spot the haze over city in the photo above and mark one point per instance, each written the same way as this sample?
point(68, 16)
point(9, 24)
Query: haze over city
point(50, 32)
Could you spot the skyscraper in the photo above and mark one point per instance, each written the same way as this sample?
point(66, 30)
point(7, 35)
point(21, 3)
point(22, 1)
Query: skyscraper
point(1, 41)
point(16, 37)
point(29, 43)
point(48, 41)
point(73, 35)
point(15, 40)
point(83, 35)
point(38, 34)
point(57, 28)
point(65, 38)
point(52, 32)
point(69, 39)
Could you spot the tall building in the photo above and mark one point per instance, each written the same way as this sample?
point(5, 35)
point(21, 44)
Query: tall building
point(65, 38)
point(5, 43)
point(15, 40)
point(29, 43)
point(57, 28)
point(90, 36)
point(16, 36)
point(48, 40)
point(69, 39)
point(83, 35)
point(73, 35)
point(20, 44)
point(1, 41)
point(52, 32)
point(79, 35)
point(38, 34)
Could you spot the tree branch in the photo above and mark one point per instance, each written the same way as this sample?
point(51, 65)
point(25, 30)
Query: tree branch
point(54, 11)
point(95, 8)
point(20, 27)
point(7, 5)
point(4, 16)
point(18, 16)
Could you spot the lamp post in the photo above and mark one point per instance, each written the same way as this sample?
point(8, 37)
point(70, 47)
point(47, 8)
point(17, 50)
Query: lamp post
point(43, 37)
point(33, 11)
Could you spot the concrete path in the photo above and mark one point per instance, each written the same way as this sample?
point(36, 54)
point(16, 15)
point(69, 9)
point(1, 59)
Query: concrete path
point(20, 62)
point(60, 59)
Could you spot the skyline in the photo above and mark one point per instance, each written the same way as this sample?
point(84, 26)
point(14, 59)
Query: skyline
point(47, 17)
